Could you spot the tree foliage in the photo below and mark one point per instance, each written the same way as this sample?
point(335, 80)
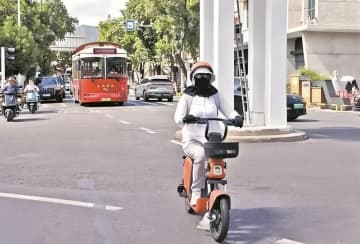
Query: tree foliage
point(41, 24)
point(173, 35)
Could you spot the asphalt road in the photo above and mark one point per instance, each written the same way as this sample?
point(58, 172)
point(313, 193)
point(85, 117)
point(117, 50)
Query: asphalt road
point(108, 174)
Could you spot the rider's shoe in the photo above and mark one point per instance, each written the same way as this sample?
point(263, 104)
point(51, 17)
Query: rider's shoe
point(195, 195)
point(204, 224)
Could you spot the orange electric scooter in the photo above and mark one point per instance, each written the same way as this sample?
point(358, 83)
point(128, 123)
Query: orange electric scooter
point(214, 198)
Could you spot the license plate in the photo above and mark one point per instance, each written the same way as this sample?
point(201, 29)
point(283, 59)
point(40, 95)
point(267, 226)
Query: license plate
point(46, 95)
point(298, 106)
point(107, 99)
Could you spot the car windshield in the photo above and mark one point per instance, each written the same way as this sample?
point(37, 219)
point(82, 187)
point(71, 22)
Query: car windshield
point(48, 81)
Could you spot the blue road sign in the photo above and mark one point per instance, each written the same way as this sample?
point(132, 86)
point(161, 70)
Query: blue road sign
point(130, 25)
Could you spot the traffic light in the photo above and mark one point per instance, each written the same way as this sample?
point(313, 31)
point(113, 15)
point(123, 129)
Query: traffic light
point(10, 54)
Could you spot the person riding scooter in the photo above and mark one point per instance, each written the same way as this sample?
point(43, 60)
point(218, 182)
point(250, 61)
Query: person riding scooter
point(11, 86)
point(32, 87)
point(32, 96)
point(201, 99)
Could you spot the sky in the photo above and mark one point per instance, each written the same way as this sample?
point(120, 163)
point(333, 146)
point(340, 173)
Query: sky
point(91, 12)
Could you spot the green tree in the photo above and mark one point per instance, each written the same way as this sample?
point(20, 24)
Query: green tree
point(41, 24)
point(174, 34)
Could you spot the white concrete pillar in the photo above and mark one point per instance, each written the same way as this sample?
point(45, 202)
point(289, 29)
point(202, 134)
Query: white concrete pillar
point(275, 63)
point(207, 31)
point(224, 48)
point(256, 72)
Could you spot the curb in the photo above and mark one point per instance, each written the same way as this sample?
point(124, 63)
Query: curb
point(261, 135)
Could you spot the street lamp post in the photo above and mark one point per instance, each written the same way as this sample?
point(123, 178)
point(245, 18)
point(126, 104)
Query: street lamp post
point(18, 10)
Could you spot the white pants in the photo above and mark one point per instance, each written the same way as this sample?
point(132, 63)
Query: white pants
point(196, 151)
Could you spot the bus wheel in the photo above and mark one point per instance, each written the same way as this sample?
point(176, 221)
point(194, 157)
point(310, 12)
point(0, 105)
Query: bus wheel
point(120, 103)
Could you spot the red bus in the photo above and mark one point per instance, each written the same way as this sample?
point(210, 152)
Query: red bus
point(99, 73)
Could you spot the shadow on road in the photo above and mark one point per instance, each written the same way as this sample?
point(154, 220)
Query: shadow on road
point(29, 119)
point(255, 225)
point(42, 112)
point(304, 120)
point(336, 133)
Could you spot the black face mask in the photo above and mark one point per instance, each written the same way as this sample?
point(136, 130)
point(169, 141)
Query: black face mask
point(202, 84)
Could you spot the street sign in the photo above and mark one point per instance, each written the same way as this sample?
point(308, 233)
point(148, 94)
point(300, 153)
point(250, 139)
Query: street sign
point(130, 25)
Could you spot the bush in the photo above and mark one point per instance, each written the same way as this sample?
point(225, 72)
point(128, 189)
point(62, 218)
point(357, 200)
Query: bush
point(313, 75)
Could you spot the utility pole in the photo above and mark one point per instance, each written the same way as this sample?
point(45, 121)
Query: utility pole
point(18, 10)
point(2, 67)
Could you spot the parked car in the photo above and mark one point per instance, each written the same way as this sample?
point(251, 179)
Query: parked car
point(296, 106)
point(51, 88)
point(356, 102)
point(155, 87)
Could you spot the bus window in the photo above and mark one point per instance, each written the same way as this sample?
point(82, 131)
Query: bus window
point(92, 68)
point(116, 67)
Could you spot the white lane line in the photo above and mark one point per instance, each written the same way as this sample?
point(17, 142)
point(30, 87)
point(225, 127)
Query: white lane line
point(63, 105)
point(147, 130)
point(175, 142)
point(132, 103)
point(60, 201)
point(108, 116)
point(153, 104)
point(124, 122)
point(167, 104)
point(287, 241)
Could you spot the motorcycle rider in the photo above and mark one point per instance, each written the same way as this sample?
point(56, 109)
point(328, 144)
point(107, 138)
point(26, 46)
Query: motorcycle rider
point(201, 99)
point(11, 86)
point(32, 87)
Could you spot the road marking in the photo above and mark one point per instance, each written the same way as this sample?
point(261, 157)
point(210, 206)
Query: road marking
point(109, 116)
point(175, 142)
point(152, 103)
point(167, 104)
point(147, 130)
point(124, 122)
point(131, 103)
point(60, 201)
point(63, 105)
point(287, 241)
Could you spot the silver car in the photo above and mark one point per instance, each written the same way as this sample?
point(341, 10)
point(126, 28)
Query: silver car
point(158, 87)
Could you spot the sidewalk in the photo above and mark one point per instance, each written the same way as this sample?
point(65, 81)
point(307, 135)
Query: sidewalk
point(261, 134)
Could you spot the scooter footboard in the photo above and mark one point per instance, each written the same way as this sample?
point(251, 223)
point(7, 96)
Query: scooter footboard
point(218, 194)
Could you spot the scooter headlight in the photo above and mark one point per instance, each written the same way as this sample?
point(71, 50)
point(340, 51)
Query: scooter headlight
point(19, 100)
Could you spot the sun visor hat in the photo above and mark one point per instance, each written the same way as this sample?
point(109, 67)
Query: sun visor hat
point(202, 70)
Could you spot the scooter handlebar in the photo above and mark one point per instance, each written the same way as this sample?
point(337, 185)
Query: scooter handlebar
point(198, 120)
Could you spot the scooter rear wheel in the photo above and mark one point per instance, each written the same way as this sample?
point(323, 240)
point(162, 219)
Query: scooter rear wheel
point(220, 226)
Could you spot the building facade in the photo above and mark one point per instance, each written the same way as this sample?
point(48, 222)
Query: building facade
point(323, 35)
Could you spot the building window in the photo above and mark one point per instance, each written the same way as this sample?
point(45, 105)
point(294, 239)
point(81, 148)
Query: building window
point(312, 10)
point(298, 54)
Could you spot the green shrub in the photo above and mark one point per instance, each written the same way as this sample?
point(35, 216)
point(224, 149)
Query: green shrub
point(313, 75)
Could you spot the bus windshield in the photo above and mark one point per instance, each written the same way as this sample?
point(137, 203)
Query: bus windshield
point(116, 67)
point(92, 68)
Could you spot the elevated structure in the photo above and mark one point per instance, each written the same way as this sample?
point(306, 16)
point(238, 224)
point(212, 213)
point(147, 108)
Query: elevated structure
point(267, 55)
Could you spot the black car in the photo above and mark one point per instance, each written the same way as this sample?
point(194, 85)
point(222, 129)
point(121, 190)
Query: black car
point(356, 102)
point(51, 88)
point(296, 106)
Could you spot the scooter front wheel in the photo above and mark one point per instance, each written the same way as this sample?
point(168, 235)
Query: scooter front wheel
point(219, 226)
